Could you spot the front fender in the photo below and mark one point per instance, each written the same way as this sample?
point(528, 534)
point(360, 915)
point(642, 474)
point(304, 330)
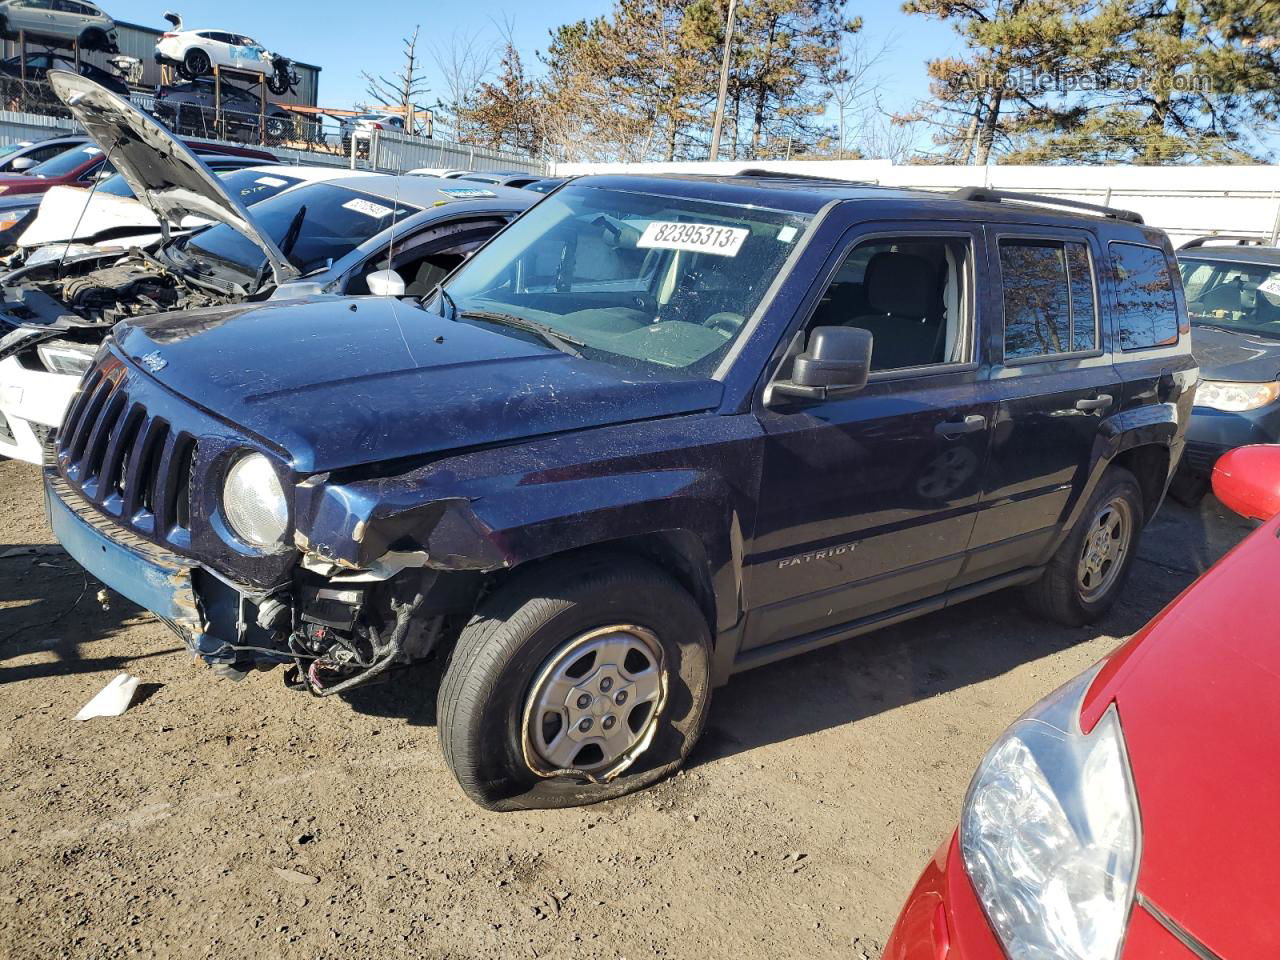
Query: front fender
point(499, 508)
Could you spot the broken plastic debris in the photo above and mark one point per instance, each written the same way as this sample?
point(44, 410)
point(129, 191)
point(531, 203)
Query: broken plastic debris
point(112, 700)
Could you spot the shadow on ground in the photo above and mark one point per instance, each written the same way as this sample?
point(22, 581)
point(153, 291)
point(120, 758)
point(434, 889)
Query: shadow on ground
point(49, 604)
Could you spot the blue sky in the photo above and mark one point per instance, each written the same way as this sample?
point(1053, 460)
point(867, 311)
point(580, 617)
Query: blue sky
point(345, 38)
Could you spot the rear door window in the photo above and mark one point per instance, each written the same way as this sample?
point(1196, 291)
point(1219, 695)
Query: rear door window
point(1049, 300)
point(1146, 310)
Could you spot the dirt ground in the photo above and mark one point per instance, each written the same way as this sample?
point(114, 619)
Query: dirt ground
point(227, 819)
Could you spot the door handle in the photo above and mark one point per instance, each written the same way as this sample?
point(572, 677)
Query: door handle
point(955, 428)
point(1100, 402)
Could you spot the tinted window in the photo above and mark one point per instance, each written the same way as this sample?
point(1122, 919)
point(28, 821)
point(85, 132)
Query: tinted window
point(911, 293)
point(66, 162)
point(1146, 311)
point(1048, 298)
point(254, 186)
point(337, 220)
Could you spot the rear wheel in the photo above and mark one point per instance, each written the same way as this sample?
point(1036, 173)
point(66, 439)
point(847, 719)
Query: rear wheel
point(197, 62)
point(275, 128)
point(93, 39)
point(1085, 576)
point(575, 683)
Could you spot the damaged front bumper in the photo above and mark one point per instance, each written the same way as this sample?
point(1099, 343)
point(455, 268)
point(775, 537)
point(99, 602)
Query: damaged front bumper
point(151, 577)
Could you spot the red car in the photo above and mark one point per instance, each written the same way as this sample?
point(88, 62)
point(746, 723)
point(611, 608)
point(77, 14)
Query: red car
point(1128, 816)
point(81, 165)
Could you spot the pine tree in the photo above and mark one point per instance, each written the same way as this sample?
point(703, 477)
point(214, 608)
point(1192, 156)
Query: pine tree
point(506, 109)
point(1142, 81)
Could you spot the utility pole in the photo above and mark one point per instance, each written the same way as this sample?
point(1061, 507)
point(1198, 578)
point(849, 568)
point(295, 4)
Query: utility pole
point(724, 83)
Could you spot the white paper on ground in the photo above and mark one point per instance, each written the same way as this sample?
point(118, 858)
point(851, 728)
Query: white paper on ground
point(112, 700)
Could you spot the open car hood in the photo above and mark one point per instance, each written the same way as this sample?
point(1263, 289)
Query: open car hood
point(164, 174)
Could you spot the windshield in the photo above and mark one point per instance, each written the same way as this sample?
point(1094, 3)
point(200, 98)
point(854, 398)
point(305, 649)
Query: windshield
point(1233, 295)
point(639, 280)
point(336, 222)
point(68, 161)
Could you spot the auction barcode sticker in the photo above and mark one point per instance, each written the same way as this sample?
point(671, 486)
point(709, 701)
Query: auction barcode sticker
point(271, 182)
point(698, 237)
point(368, 208)
point(1271, 285)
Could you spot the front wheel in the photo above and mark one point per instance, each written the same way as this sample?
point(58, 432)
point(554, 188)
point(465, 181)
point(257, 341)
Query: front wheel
point(574, 683)
point(1085, 576)
point(197, 63)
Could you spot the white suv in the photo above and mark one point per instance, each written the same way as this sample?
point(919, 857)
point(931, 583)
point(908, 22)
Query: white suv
point(64, 20)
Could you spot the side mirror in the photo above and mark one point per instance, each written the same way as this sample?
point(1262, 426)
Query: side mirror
point(22, 163)
point(1247, 480)
point(835, 363)
point(385, 283)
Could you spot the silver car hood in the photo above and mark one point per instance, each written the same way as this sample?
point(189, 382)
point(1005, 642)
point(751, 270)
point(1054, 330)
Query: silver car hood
point(163, 172)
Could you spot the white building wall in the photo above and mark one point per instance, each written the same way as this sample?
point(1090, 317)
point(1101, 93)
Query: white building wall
point(1186, 201)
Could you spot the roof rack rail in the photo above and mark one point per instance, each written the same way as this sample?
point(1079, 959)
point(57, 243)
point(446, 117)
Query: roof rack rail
point(1239, 239)
point(986, 195)
point(783, 175)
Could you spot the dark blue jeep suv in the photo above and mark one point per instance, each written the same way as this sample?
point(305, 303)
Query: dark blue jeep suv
point(658, 430)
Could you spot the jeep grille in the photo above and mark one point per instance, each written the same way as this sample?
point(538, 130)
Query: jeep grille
point(128, 463)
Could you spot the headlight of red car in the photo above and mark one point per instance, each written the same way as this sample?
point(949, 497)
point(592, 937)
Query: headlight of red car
point(1051, 834)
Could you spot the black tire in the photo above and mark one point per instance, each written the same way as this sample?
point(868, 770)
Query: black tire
point(1059, 595)
point(93, 39)
point(277, 128)
point(197, 62)
point(518, 631)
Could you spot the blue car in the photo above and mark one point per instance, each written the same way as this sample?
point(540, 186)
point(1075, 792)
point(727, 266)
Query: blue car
point(1233, 297)
point(657, 431)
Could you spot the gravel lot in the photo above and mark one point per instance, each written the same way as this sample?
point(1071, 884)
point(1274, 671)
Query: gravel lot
point(242, 820)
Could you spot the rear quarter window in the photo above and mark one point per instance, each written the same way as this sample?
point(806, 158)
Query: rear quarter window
point(1146, 308)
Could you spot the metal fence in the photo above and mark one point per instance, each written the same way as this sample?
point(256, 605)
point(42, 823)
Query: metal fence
point(29, 111)
point(394, 151)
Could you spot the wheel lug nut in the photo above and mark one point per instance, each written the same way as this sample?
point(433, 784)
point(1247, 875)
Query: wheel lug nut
point(609, 722)
point(584, 701)
point(585, 725)
point(621, 698)
point(606, 684)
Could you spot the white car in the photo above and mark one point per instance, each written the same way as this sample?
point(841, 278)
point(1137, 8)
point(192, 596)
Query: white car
point(33, 401)
point(194, 53)
point(70, 214)
point(362, 125)
point(65, 20)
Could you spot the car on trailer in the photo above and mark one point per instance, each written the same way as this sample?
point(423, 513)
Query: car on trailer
point(192, 109)
point(62, 21)
point(658, 430)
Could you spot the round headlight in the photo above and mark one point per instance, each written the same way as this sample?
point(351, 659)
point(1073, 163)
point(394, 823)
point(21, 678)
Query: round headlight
point(254, 503)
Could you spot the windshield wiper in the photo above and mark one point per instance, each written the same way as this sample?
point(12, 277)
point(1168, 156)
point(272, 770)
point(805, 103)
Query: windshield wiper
point(291, 235)
point(548, 335)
